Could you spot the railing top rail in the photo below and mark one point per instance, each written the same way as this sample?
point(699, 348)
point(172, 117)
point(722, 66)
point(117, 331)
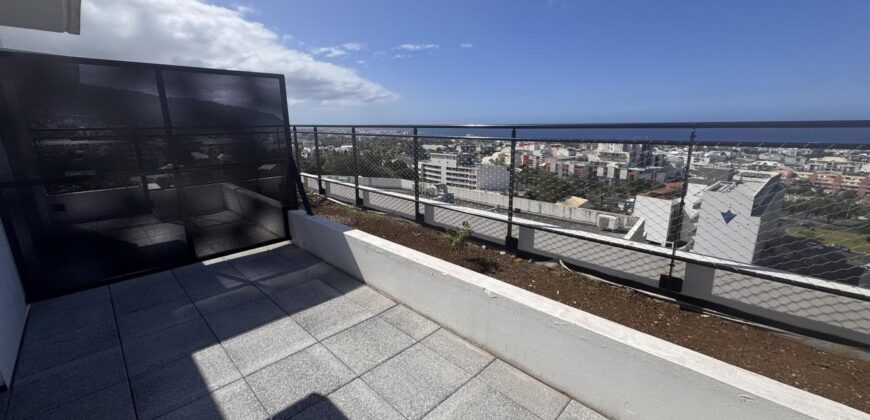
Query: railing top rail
point(721, 143)
point(672, 125)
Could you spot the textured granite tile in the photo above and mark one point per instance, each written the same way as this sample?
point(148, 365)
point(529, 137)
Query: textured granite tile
point(44, 322)
point(331, 317)
point(65, 347)
point(156, 318)
point(416, 380)
point(227, 300)
point(52, 387)
point(578, 411)
point(340, 281)
point(244, 317)
point(233, 402)
point(370, 299)
point(109, 403)
point(367, 344)
point(304, 296)
point(476, 400)
point(298, 381)
point(319, 269)
point(177, 383)
point(4, 403)
point(213, 280)
point(148, 352)
point(355, 400)
point(409, 322)
point(267, 344)
point(90, 296)
point(543, 401)
point(282, 281)
point(260, 267)
point(458, 351)
point(145, 292)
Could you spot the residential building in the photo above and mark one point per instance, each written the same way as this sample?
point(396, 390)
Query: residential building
point(738, 217)
point(458, 170)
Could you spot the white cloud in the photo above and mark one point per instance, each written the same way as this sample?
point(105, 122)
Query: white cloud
point(329, 52)
point(353, 46)
point(417, 47)
point(466, 45)
point(191, 32)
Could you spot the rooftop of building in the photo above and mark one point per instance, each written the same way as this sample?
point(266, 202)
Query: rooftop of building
point(272, 333)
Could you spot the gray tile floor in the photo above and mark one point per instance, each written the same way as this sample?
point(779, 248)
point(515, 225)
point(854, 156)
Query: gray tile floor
point(272, 334)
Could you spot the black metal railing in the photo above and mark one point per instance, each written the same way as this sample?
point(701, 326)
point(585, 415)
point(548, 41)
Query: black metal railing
point(854, 137)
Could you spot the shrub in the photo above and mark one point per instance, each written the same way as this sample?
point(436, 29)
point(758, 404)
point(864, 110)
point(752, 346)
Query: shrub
point(457, 240)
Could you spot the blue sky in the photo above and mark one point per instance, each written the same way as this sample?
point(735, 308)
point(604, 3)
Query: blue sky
point(546, 61)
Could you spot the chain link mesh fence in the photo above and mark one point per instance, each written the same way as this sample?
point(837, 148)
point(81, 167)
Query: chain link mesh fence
point(637, 205)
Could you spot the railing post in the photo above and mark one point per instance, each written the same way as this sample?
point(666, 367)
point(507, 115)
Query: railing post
point(357, 200)
point(296, 149)
point(419, 217)
point(317, 164)
point(510, 241)
point(669, 282)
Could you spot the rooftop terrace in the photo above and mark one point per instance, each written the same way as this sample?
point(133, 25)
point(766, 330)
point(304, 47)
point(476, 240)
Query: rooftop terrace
point(273, 333)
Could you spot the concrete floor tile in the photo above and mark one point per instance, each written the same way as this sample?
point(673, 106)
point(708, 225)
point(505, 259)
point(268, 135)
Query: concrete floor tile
point(304, 296)
point(260, 267)
point(156, 318)
point(476, 400)
point(233, 402)
point(44, 322)
point(65, 383)
point(340, 281)
point(331, 317)
point(409, 322)
point(458, 351)
point(578, 411)
point(182, 381)
point(145, 292)
point(148, 352)
point(370, 299)
point(244, 317)
point(540, 399)
point(4, 403)
point(267, 344)
point(282, 281)
point(64, 347)
point(211, 281)
point(90, 296)
point(293, 384)
point(319, 269)
point(227, 300)
point(367, 344)
point(416, 380)
point(109, 403)
point(355, 400)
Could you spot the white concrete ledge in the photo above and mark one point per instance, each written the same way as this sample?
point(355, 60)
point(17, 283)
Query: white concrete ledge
point(618, 371)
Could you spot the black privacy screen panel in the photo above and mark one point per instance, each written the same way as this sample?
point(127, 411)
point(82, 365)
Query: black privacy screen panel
point(112, 169)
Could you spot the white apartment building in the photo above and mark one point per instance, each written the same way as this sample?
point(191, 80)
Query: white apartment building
point(738, 217)
point(457, 170)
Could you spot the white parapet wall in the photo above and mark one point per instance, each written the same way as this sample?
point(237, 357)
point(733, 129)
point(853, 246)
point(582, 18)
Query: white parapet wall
point(618, 371)
point(802, 307)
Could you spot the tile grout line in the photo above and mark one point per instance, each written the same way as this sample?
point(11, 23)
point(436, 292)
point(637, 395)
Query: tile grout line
point(563, 408)
point(471, 377)
point(221, 344)
point(320, 341)
point(420, 341)
point(123, 356)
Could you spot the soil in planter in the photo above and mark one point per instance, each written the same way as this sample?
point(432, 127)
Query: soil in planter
point(836, 376)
